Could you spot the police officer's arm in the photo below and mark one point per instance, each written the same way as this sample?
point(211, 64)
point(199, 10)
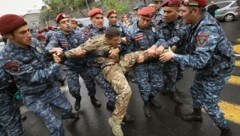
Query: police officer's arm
point(176, 39)
point(28, 73)
point(161, 42)
point(205, 43)
point(52, 46)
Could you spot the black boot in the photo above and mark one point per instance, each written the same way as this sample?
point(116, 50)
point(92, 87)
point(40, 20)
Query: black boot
point(71, 116)
point(78, 103)
point(95, 102)
point(196, 116)
point(175, 98)
point(146, 109)
point(110, 106)
point(226, 131)
point(153, 102)
point(128, 118)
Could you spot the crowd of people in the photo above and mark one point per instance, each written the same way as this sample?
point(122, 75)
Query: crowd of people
point(156, 43)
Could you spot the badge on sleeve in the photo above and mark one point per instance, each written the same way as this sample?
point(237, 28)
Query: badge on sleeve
point(202, 40)
point(12, 66)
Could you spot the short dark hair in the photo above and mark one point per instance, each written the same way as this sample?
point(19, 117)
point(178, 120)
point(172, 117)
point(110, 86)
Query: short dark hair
point(112, 32)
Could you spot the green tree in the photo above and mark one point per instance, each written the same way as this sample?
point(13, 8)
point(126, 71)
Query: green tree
point(121, 6)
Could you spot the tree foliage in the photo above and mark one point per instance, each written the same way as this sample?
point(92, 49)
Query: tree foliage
point(121, 6)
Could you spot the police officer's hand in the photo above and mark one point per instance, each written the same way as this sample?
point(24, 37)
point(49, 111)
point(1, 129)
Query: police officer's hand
point(114, 53)
point(80, 52)
point(159, 50)
point(56, 58)
point(167, 56)
point(123, 40)
point(140, 59)
point(56, 50)
point(152, 51)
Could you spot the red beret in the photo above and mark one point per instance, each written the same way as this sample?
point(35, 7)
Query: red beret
point(172, 3)
point(60, 17)
point(10, 22)
point(48, 27)
point(198, 3)
point(110, 12)
point(94, 11)
point(146, 11)
point(40, 36)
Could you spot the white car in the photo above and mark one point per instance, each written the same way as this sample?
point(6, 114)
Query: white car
point(228, 10)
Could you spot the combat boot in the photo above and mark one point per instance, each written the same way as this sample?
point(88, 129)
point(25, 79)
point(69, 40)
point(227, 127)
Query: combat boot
point(78, 103)
point(110, 106)
point(196, 116)
point(175, 98)
point(116, 127)
point(146, 109)
point(128, 118)
point(153, 102)
point(95, 102)
point(226, 131)
point(71, 116)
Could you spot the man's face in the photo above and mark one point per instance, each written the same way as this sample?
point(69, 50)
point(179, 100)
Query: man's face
point(115, 41)
point(158, 4)
point(113, 19)
point(65, 25)
point(170, 14)
point(22, 36)
point(144, 22)
point(97, 21)
point(74, 24)
point(187, 15)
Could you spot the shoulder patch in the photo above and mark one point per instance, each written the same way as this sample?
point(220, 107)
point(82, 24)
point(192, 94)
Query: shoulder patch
point(202, 40)
point(12, 66)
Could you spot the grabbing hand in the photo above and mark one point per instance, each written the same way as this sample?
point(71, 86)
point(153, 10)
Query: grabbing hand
point(56, 50)
point(113, 53)
point(80, 52)
point(167, 55)
point(140, 59)
point(56, 58)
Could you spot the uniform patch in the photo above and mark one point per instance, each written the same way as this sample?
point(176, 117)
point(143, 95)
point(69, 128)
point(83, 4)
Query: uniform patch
point(138, 37)
point(202, 39)
point(12, 66)
point(39, 49)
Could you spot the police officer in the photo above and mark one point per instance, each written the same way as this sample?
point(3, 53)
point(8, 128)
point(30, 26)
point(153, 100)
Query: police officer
point(142, 35)
point(174, 31)
point(68, 39)
point(34, 77)
point(211, 55)
point(158, 16)
point(10, 118)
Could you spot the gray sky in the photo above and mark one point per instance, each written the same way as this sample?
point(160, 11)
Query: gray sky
point(19, 7)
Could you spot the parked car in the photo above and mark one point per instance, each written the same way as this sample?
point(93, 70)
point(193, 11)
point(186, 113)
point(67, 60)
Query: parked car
point(227, 10)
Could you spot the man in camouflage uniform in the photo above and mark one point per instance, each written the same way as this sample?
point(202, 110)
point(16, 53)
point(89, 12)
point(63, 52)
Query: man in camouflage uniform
point(142, 35)
point(10, 117)
point(210, 53)
point(34, 76)
point(113, 69)
point(174, 31)
point(68, 39)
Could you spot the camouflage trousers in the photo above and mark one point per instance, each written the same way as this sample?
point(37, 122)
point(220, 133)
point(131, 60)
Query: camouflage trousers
point(41, 105)
point(10, 118)
point(115, 75)
point(170, 70)
point(96, 73)
point(206, 90)
point(74, 86)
